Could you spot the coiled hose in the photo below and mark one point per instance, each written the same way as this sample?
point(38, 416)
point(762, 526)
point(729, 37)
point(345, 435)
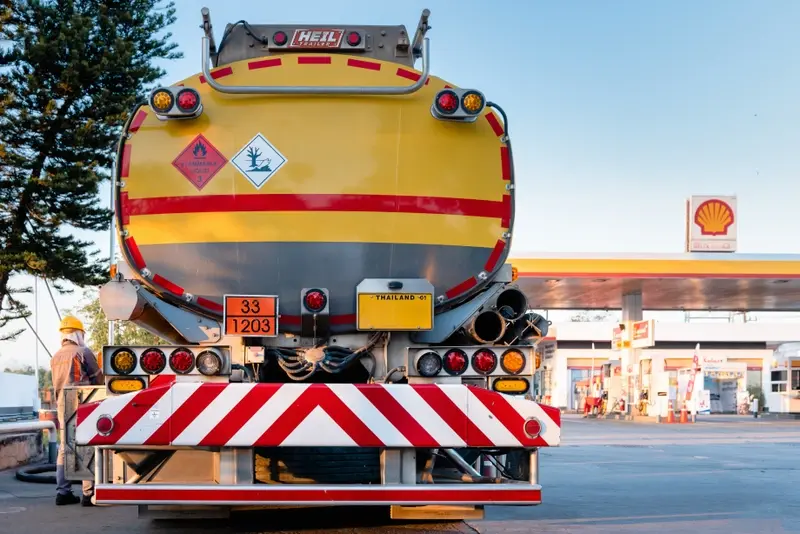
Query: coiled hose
point(335, 359)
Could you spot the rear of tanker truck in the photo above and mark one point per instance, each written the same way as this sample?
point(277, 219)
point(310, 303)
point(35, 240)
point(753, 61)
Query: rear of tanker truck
point(318, 232)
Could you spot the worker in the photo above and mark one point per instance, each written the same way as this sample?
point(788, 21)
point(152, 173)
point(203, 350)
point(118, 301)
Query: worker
point(74, 364)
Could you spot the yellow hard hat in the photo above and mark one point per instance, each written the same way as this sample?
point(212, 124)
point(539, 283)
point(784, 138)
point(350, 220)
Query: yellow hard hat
point(70, 322)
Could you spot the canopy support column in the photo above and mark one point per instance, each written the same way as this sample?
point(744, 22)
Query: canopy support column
point(631, 311)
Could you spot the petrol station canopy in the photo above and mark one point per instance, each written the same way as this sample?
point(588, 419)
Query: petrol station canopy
point(699, 281)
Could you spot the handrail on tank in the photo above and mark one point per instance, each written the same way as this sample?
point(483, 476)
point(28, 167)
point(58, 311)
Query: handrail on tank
point(313, 90)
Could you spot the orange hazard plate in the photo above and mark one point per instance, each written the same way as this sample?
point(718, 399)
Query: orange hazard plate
point(250, 315)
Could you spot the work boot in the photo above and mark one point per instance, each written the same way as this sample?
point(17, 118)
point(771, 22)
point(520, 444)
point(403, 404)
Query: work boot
point(63, 499)
point(87, 500)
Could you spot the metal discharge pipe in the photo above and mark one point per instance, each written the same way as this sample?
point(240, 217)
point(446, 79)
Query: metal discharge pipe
point(512, 304)
point(487, 327)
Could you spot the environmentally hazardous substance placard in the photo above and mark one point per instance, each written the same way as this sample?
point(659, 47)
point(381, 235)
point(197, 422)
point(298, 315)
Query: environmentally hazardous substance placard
point(199, 162)
point(258, 160)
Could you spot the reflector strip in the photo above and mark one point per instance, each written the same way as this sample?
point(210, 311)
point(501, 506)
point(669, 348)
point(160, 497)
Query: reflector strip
point(505, 161)
point(313, 60)
point(126, 161)
point(361, 64)
point(491, 263)
point(486, 494)
point(137, 121)
point(314, 415)
point(495, 124)
point(221, 73)
point(463, 287)
point(124, 208)
point(136, 254)
point(505, 222)
point(264, 63)
point(166, 284)
point(211, 305)
point(410, 75)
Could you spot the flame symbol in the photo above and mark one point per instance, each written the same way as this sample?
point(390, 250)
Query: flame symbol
point(714, 217)
point(199, 150)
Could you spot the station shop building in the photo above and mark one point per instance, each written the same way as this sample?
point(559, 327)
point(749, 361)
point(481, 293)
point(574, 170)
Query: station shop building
point(734, 358)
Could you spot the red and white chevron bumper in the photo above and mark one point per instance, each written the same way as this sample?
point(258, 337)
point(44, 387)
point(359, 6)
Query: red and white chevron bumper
point(337, 415)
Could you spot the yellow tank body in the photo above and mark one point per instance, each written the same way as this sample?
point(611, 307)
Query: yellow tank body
point(269, 194)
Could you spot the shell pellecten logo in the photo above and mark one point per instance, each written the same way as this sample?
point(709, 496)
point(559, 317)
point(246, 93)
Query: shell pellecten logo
point(714, 217)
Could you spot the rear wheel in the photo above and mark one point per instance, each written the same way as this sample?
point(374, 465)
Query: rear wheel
point(317, 465)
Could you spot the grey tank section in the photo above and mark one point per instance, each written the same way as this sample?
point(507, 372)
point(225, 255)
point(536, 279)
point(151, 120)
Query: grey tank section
point(282, 269)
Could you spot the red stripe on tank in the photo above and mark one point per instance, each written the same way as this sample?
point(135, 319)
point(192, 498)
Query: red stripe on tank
point(505, 162)
point(124, 208)
point(126, 162)
point(468, 207)
point(411, 75)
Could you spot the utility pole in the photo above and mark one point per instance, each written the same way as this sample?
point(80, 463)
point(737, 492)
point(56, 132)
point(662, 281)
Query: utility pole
point(38, 404)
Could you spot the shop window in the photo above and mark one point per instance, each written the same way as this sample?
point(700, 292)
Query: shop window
point(778, 379)
point(795, 379)
point(754, 378)
point(778, 376)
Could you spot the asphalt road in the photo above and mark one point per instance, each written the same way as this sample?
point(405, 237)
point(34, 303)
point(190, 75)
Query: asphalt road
point(731, 475)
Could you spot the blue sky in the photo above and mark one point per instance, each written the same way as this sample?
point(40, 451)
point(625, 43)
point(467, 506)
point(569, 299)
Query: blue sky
point(618, 111)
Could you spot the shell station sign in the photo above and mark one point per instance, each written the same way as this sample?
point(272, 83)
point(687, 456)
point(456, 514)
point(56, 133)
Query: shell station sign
point(711, 224)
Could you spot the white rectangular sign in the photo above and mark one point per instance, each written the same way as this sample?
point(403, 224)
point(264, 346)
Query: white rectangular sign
point(712, 224)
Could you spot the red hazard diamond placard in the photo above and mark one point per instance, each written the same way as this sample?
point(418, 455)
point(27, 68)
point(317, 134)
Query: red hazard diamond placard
point(199, 162)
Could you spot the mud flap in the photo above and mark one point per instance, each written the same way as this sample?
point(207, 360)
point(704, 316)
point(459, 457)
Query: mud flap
point(78, 459)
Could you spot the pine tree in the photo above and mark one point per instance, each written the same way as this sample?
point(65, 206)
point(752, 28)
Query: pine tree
point(71, 71)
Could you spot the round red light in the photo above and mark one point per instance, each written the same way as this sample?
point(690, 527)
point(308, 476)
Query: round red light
point(447, 102)
point(104, 425)
point(455, 362)
point(315, 300)
point(484, 361)
point(181, 361)
point(533, 427)
point(279, 38)
point(188, 100)
point(353, 39)
point(153, 361)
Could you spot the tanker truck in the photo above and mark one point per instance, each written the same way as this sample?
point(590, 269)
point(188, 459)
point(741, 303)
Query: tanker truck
point(319, 234)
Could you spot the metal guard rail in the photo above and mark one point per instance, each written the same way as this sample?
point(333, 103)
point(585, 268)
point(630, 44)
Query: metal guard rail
point(312, 90)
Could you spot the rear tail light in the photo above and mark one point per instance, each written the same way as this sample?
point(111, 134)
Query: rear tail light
point(181, 361)
point(484, 361)
point(511, 386)
point(447, 102)
point(353, 38)
point(532, 427)
point(429, 364)
point(512, 362)
point(104, 425)
point(280, 38)
point(208, 363)
point(188, 100)
point(162, 101)
point(125, 385)
point(123, 362)
point(153, 361)
point(472, 102)
point(455, 362)
point(315, 300)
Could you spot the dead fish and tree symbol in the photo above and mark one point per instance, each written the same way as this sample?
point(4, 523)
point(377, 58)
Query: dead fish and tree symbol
point(255, 165)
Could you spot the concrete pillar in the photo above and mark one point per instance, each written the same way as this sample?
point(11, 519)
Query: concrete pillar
point(631, 311)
